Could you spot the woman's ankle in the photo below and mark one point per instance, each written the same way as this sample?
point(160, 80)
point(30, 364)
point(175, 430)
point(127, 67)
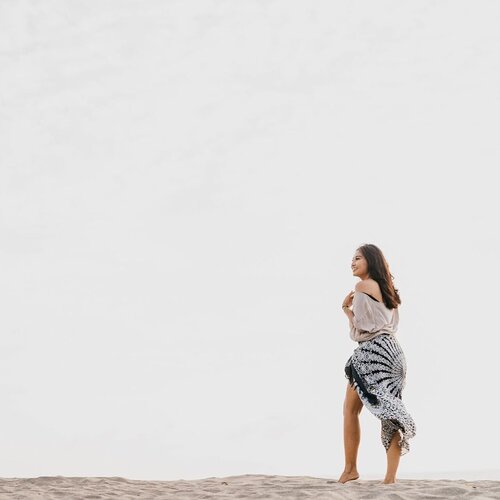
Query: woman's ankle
point(350, 468)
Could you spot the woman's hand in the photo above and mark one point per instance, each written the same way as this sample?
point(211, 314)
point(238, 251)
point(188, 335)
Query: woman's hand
point(348, 300)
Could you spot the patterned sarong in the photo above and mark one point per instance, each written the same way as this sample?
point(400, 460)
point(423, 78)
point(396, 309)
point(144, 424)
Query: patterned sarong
point(377, 370)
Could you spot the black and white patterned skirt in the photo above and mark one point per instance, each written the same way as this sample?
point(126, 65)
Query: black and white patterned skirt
point(377, 370)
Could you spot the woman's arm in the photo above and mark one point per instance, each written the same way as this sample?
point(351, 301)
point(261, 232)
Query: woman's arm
point(346, 306)
point(363, 319)
point(350, 315)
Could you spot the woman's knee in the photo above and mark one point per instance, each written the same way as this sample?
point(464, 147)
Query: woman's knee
point(352, 410)
point(352, 404)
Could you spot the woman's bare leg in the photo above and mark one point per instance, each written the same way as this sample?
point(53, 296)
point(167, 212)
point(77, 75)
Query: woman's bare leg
point(352, 434)
point(393, 455)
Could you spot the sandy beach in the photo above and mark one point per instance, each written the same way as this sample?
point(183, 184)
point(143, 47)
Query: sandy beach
point(243, 486)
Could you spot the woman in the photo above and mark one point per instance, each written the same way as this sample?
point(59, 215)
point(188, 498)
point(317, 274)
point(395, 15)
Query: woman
point(377, 369)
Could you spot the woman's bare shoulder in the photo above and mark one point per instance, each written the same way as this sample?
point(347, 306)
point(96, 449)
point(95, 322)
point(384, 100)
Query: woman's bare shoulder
point(369, 286)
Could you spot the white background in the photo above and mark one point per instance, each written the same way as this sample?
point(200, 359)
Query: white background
point(182, 187)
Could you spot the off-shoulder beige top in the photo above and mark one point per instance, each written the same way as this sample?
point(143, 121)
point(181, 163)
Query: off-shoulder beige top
point(371, 318)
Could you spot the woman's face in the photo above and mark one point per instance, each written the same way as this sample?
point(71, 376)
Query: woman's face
point(359, 265)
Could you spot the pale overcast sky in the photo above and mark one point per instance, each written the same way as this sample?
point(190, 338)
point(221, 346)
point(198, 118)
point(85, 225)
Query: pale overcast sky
point(182, 187)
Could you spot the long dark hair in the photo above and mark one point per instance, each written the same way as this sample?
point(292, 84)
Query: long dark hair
point(378, 269)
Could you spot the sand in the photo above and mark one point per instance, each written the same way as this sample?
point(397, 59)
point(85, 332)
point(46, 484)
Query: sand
point(245, 486)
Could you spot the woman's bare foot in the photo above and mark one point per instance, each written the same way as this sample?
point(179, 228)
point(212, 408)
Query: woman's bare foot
point(348, 476)
point(388, 481)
